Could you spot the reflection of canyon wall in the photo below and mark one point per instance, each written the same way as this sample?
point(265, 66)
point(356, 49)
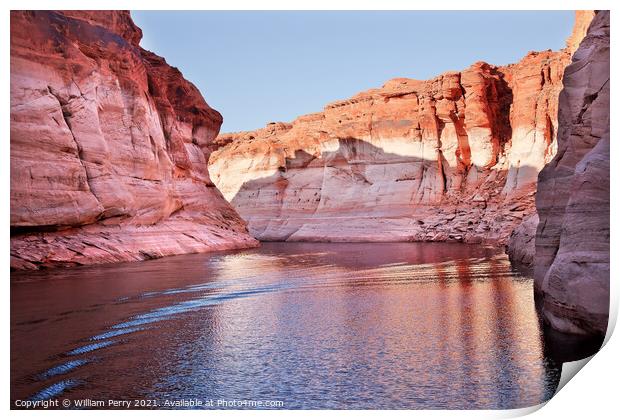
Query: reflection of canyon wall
point(109, 146)
point(572, 241)
point(453, 158)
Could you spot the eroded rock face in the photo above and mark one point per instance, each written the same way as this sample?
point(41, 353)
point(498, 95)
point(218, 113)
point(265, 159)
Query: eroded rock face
point(521, 246)
point(572, 240)
point(455, 158)
point(109, 147)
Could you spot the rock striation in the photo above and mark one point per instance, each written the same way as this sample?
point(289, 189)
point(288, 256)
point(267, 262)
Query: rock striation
point(109, 147)
point(455, 158)
point(571, 266)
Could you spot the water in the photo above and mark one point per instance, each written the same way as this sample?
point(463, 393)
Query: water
point(391, 326)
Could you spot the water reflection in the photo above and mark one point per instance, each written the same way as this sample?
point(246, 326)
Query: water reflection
point(313, 325)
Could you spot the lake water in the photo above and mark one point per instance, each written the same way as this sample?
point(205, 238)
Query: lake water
point(390, 326)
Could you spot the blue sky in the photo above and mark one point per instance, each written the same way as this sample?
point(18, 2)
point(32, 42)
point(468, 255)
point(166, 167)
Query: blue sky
point(257, 67)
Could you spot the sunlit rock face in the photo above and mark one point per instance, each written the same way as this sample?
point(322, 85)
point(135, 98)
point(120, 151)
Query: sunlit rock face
point(572, 240)
point(455, 158)
point(583, 18)
point(109, 147)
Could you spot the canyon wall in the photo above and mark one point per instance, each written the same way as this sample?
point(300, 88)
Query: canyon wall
point(109, 147)
point(521, 246)
point(571, 265)
point(455, 158)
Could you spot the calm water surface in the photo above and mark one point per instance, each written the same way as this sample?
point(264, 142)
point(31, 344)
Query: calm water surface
point(312, 325)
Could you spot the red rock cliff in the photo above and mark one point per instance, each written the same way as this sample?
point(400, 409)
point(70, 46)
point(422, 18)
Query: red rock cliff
point(572, 241)
point(455, 158)
point(109, 147)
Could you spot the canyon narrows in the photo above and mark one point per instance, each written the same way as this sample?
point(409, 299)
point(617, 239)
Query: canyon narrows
point(109, 148)
point(429, 244)
point(113, 154)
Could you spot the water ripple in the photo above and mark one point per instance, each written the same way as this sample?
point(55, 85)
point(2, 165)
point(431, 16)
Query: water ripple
point(90, 347)
point(63, 368)
point(115, 333)
point(54, 390)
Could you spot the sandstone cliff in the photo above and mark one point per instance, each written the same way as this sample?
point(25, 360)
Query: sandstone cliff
point(109, 147)
point(583, 18)
point(455, 158)
point(572, 241)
